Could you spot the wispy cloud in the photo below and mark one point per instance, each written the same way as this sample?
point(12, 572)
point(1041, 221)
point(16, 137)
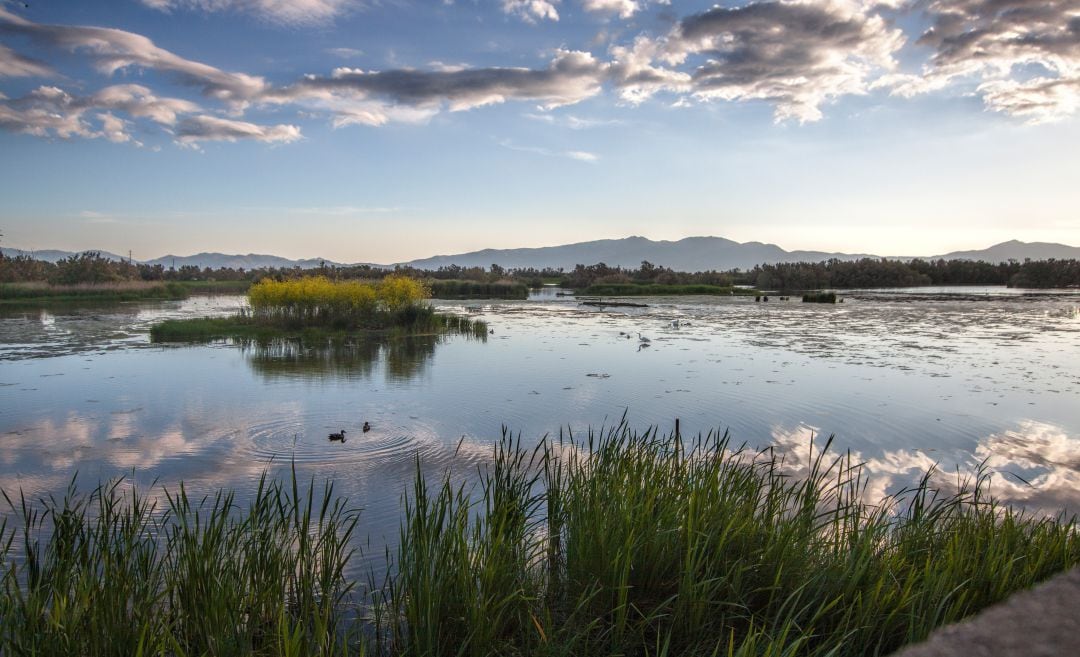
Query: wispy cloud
point(344, 53)
point(570, 121)
point(211, 128)
point(113, 50)
point(580, 156)
point(14, 65)
point(284, 12)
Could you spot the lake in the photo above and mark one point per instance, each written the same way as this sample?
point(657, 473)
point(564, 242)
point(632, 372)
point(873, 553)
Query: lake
point(904, 379)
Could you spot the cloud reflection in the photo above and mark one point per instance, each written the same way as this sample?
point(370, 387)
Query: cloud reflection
point(1035, 465)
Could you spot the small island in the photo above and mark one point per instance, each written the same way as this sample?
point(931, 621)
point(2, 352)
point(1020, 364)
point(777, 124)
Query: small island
point(315, 307)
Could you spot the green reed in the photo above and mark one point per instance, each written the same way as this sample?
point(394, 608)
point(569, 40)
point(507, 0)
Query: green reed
point(646, 544)
point(114, 572)
point(618, 543)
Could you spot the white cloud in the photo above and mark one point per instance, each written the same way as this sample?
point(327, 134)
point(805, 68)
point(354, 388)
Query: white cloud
point(797, 55)
point(624, 8)
point(532, 10)
point(51, 111)
point(1025, 55)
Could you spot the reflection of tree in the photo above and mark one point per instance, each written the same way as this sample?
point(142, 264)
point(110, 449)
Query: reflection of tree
point(405, 358)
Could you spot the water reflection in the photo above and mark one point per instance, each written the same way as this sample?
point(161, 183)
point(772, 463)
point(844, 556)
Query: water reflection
point(1034, 465)
point(400, 359)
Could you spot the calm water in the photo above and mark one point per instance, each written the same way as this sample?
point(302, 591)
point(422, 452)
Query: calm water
point(904, 379)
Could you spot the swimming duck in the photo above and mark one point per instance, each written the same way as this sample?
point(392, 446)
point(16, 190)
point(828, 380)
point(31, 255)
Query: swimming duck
point(337, 436)
point(367, 427)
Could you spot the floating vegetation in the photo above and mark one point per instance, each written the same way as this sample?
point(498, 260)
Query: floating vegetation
point(619, 543)
point(819, 297)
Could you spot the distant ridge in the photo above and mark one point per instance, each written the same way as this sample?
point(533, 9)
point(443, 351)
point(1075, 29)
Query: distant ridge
point(689, 254)
point(1016, 250)
point(51, 255)
point(249, 261)
point(200, 260)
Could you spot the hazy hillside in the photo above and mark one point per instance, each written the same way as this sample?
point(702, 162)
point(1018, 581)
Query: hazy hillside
point(1016, 250)
point(51, 255)
point(249, 261)
point(690, 254)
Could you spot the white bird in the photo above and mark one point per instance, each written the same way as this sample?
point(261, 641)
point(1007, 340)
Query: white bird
point(674, 323)
point(644, 340)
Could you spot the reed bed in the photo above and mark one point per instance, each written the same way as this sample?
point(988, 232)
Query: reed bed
point(620, 543)
point(110, 572)
point(115, 291)
point(646, 544)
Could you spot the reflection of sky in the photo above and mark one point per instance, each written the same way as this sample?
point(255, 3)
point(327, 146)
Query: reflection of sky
point(903, 385)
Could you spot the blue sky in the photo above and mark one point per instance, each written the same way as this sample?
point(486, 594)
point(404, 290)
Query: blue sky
point(381, 131)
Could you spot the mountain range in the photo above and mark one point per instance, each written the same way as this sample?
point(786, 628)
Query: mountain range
point(689, 254)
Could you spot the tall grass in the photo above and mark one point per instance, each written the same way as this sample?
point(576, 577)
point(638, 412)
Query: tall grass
point(643, 544)
point(621, 543)
point(110, 572)
point(116, 291)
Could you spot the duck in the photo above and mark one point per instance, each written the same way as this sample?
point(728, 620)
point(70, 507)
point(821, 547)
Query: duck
point(337, 436)
point(367, 427)
point(642, 339)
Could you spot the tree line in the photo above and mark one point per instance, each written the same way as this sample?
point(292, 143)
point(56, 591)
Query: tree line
point(92, 267)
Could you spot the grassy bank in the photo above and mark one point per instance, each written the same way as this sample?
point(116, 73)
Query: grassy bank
point(478, 290)
point(247, 327)
point(653, 289)
point(14, 294)
point(622, 543)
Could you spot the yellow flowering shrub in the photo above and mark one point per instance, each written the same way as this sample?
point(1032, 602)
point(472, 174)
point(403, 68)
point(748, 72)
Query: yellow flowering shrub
point(317, 299)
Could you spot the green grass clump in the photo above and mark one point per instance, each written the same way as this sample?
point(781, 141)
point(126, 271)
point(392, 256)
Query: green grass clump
point(454, 289)
point(631, 544)
point(656, 289)
point(111, 573)
point(819, 297)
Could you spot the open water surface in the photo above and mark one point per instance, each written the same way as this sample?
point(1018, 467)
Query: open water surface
point(905, 380)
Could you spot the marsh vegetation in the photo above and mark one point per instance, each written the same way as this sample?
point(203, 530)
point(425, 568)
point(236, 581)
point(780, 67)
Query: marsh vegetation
point(617, 543)
point(317, 307)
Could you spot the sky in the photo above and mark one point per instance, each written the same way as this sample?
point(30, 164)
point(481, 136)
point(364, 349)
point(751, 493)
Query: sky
point(388, 130)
